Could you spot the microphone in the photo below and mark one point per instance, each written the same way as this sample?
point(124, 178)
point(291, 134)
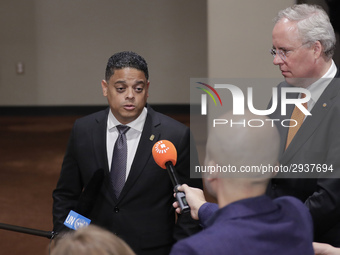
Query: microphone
point(165, 155)
point(76, 219)
point(30, 231)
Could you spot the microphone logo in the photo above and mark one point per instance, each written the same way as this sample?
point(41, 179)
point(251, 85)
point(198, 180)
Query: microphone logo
point(75, 220)
point(161, 148)
point(164, 151)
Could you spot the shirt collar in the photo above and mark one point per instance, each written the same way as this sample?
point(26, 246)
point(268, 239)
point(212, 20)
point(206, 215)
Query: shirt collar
point(137, 124)
point(320, 85)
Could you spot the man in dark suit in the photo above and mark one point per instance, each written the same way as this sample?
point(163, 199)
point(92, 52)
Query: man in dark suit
point(141, 212)
point(303, 46)
point(245, 221)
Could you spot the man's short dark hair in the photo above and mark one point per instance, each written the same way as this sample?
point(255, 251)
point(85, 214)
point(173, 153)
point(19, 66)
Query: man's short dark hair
point(125, 59)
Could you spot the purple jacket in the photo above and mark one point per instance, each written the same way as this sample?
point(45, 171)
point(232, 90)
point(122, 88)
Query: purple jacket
point(253, 226)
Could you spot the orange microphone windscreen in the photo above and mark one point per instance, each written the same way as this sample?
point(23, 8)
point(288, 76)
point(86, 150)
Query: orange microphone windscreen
point(164, 151)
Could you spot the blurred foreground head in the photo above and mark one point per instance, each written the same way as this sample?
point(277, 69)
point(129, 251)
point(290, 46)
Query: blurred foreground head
point(91, 240)
point(251, 141)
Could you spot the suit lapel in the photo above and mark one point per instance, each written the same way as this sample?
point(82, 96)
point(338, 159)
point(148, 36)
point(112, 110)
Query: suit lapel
point(99, 141)
point(149, 137)
point(311, 123)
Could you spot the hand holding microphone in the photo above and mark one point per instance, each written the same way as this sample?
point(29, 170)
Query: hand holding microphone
point(195, 198)
point(165, 155)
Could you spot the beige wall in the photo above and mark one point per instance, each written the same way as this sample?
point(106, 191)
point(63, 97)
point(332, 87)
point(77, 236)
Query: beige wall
point(239, 40)
point(239, 37)
point(65, 44)
point(18, 43)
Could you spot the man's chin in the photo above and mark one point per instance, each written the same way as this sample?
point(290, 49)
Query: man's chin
point(130, 116)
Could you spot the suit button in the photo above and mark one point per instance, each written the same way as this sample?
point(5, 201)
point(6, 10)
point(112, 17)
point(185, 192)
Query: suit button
point(116, 209)
point(274, 186)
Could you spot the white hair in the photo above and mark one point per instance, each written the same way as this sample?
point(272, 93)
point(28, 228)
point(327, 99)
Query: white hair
point(313, 25)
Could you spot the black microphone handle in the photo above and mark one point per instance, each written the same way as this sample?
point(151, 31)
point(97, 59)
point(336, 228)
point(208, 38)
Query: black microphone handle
point(29, 231)
point(172, 173)
point(180, 196)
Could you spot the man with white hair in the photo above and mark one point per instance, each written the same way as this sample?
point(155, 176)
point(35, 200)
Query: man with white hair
point(245, 221)
point(303, 45)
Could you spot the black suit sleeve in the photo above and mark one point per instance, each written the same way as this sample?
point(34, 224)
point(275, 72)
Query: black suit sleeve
point(316, 145)
point(69, 186)
point(324, 203)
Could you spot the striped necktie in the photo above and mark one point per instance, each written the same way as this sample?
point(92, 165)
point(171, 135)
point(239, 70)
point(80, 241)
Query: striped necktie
point(119, 158)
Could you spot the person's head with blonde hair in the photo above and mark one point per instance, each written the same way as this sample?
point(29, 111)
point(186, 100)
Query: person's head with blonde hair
point(91, 240)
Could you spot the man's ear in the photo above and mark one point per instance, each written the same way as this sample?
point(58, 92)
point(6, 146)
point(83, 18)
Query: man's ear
point(211, 175)
point(317, 49)
point(104, 87)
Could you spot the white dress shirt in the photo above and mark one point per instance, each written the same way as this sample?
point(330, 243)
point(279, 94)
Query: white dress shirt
point(133, 136)
point(317, 88)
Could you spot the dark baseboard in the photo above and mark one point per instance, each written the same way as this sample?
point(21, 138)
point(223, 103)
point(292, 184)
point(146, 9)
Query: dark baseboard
point(48, 110)
point(168, 109)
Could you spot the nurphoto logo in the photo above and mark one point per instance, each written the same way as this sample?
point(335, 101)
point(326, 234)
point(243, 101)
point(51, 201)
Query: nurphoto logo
point(239, 98)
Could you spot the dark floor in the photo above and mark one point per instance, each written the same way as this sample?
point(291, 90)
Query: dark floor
point(31, 153)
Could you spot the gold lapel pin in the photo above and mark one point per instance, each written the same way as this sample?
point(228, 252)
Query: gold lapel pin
point(324, 105)
point(152, 137)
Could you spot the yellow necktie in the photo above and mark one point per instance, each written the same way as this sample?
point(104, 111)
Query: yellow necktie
point(298, 116)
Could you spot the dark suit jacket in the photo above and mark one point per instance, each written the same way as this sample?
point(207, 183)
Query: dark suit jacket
point(143, 215)
point(253, 226)
point(316, 142)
